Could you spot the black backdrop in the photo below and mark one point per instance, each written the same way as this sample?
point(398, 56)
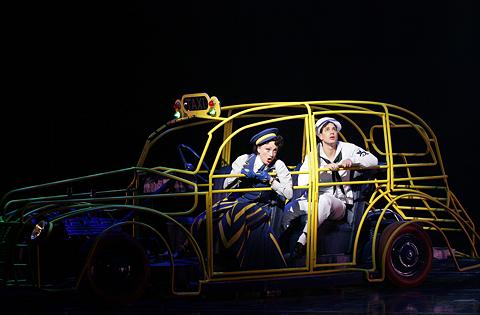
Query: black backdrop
point(87, 82)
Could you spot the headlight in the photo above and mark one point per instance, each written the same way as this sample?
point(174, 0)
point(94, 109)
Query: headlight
point(37, 230)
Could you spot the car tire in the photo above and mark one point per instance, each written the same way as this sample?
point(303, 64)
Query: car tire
point(118, 272)
point(408, 256)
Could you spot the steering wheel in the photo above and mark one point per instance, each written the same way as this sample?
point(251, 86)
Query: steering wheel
point(186, 164)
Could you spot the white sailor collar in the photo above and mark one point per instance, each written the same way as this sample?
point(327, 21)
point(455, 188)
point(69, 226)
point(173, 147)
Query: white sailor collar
point(321, 152)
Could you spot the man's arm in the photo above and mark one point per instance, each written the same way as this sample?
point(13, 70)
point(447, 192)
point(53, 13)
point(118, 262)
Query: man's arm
point(283, 184)
point(363, 158)
point(303, 178)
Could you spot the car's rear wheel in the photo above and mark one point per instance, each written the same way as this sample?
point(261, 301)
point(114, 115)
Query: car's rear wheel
point(408, 254)
point(118, 271)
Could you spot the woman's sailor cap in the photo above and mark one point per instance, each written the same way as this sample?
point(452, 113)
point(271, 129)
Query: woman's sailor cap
point(264, 136)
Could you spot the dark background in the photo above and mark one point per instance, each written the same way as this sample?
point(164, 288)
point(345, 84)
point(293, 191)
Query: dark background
point(88, 82)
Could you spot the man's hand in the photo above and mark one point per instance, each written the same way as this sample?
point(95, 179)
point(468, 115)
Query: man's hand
point(332, 166)
point(346, 163)
point(335, 166)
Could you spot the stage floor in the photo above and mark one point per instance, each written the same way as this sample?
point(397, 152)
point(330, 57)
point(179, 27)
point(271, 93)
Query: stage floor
point(446, 293)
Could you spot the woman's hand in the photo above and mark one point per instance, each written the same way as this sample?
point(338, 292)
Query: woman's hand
point(249, 174)
point(263, 176)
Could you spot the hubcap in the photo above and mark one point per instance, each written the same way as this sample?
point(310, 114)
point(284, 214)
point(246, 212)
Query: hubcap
point(408, 255)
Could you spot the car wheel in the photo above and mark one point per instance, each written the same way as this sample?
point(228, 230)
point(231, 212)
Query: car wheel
point(118, 271)
point(408, 256)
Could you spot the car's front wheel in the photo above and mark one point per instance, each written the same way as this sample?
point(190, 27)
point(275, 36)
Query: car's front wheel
point(118, 271)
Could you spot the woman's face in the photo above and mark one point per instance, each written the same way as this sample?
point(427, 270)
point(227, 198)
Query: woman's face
point(267, 152)
point(329, 133)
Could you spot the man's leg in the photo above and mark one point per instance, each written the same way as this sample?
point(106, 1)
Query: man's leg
point(328, 207)
point(293, 210)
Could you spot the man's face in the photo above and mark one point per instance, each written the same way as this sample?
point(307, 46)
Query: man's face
point(329, 134)
point(267, 152)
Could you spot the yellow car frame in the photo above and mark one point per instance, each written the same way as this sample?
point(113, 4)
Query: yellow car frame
point(407, 216)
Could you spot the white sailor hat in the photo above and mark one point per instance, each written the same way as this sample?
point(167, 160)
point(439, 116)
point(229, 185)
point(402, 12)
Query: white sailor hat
point(322, 121)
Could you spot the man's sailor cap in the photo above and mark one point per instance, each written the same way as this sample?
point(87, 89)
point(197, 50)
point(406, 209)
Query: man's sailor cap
point(324, 120)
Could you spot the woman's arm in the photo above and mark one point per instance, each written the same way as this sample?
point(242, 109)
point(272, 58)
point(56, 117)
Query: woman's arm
point(237, 166)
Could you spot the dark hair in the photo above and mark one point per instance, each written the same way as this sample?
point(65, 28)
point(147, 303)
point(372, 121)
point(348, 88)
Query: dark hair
point(325, 125)
point(278, 142)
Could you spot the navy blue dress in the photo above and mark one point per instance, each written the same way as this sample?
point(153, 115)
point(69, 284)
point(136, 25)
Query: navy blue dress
point(242, 229)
